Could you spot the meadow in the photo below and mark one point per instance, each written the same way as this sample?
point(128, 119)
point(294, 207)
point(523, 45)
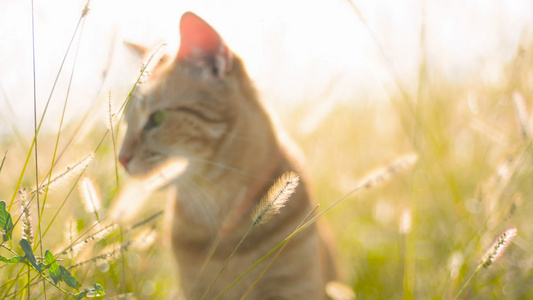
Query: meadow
point(455, 224)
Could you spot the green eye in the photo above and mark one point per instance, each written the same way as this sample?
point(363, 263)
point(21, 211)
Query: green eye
point(156, 119)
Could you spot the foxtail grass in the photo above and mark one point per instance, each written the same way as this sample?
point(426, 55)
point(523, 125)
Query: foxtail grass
point(90, 196)
point(492, 253)
point(276, 256)
point(372, 180)
point(339, 291)
point(27, 227)
point(69, 172)
point(276, 198)
point(269, 206)
point(405, 221)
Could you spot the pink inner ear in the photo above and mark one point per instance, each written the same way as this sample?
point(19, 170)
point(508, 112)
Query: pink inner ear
point(198, 38)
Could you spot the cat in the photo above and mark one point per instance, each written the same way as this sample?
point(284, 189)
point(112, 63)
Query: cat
point(201, 105)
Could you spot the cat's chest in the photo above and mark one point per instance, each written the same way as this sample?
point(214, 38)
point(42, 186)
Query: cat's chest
point(209, 204)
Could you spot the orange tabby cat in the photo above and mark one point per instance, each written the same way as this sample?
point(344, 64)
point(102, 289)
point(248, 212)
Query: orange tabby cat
point(202, 106)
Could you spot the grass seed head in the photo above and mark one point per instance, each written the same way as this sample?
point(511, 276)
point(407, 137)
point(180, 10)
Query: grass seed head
point(27, 227)
point(86, 9)
point(339, 291)
point(405, 221)
point(498, 247)
point(70, 171)
point(383, 174)
point(276, 198)
point(89, 194)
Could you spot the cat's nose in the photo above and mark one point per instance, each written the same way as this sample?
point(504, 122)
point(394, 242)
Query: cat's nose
point(124, 160)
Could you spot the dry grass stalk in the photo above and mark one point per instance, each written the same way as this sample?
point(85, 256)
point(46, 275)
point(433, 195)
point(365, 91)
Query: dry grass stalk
point(110, 115)
point(520, 108)
point(70, 233)
point(383, 174)
point(165, 174)
point(493, 189)
point(494, 252)
point(95, 237)
point(339, 291)
point(154, 59)
point(3, 161)
point(27, 227)
point(455, 262)
point(276, 255)
point(144, 239)
point(405, 221)
point(69, 171)
point(276, 198)
point(370, 181)
point(270, 205)
point(494, 134)
point(90, 195)
point(107, 256)
point(227, 226)
point(497, 248)
point(86, 9)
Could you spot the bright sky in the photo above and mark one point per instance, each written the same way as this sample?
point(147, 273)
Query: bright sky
point(299, 51)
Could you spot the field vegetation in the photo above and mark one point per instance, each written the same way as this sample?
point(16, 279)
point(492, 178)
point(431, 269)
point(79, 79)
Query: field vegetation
point(454, 224)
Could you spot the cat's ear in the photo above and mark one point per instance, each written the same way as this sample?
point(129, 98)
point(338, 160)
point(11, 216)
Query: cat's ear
point(145, 53)
point(139, 50)
point(202, 44)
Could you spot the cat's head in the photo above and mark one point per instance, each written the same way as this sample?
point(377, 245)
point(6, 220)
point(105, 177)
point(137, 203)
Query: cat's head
point(191, 104)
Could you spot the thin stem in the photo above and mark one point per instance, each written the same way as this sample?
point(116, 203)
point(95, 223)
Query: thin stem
point(72, 188)
point(228, 260)
point(467, 282)
point(52, 165)
point(276, 256)
point(259, 261)
point(220, 235)
point(29, 291)
point(35, 139)
point(206, 261)
point(367, 183)
point(113, 140)
point(3, 160)
point(45, 107)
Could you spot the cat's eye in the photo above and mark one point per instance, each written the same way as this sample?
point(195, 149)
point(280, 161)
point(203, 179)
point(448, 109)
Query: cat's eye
point(155, 119)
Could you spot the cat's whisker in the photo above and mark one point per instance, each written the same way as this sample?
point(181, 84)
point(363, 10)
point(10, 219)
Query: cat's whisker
point(166, 173)
point(203, 194)
point(230, 168)
point(200, 176)
point(199, 204)
point(238, 137)
point(155, 157)
point(188, 191)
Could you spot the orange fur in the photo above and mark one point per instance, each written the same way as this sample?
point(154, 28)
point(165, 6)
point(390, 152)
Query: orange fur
point(203, 107)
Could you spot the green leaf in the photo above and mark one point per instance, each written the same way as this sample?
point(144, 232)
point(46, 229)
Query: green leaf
point(99, 289)
point(95, 291)
point(30, 256)
point(6, 223)
point(81, 295)
point(68, 278)
point(13, 260)
point(52, 266)
point(48, 257)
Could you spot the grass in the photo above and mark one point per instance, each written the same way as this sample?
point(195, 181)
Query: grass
point(425, 234)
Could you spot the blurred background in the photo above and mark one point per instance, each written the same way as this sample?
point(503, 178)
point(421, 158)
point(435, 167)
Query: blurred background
point(356, 84)
point(311, 52)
